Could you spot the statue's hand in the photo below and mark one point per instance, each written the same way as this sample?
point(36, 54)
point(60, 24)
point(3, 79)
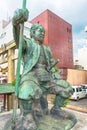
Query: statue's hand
point(20, 16)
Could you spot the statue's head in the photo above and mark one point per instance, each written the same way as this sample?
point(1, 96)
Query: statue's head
point(37, 32)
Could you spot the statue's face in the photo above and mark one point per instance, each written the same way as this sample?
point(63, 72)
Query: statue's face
point(39, 34)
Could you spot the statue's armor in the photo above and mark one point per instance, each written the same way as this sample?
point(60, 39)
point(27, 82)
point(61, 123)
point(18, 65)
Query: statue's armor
point(42, 58)
point(41, 67)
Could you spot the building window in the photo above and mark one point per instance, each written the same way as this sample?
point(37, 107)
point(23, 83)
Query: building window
point(69, 40)
point(69, 49)
point(69, 59)
point(68, 30)
point(38, 22)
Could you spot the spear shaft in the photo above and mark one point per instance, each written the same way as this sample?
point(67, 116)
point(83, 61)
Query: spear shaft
point(20, 52)
point(18, 66)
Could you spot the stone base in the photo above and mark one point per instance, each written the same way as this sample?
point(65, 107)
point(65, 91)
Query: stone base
point(48, 122)
point(52, 123)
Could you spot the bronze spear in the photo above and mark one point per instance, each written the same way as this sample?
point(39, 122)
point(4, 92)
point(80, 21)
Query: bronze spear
point(18, 68)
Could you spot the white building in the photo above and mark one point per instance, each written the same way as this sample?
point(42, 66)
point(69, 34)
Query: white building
point(82, 55)
point(6, 36)
point(6, 33)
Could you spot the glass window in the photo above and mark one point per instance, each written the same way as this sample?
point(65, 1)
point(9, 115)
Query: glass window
point(76, 89)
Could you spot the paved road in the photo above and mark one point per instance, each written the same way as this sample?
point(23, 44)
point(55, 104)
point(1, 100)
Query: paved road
point(81, 103)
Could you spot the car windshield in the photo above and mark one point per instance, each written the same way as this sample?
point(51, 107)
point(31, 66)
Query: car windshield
point(73, 90)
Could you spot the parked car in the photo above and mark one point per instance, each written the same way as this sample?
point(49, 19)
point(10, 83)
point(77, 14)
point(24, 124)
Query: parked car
point(84, 86)
point(79, 93)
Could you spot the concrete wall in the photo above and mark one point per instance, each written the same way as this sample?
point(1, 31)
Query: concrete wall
point(77, 77)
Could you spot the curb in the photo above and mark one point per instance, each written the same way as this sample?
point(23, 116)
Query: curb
point(80, 109)
point(72, 107)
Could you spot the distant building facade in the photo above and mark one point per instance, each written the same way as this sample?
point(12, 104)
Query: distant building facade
point(58, 37)
point(6, 33)
point(7, 45)
point(82, 59)
point(77, 65)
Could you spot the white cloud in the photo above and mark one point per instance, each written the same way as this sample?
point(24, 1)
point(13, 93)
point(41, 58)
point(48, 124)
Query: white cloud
point(72, 11)
point(7, 8)
point(3, 9)
point(79, 41)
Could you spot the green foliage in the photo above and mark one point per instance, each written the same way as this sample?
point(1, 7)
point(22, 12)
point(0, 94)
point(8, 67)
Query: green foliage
point(13, 82)
point(56, 69)
point(53, 99)
point(66, 102)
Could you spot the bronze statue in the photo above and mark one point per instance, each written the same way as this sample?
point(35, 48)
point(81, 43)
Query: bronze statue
point(38, 78)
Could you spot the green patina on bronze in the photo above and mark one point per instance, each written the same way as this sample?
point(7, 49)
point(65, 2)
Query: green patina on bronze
point(38, 79)
point(7, 88)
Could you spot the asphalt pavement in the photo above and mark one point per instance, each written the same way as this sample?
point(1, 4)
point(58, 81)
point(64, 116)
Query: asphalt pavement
point(80, 105)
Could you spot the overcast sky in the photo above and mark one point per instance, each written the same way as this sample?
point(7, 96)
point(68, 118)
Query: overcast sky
point(72, 11)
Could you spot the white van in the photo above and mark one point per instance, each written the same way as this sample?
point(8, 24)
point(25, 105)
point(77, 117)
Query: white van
point(79, 93)
point(84, 86)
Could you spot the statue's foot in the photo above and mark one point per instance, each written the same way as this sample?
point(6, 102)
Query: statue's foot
point(37, 115)
point(29, 123)
point(37, 111)
point(59, 113)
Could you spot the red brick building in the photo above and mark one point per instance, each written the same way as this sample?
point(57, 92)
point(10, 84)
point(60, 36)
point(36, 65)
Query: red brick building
point(58, 37)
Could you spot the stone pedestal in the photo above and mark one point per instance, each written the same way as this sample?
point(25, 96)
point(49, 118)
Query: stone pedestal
point(51, 123)
point(47, 122)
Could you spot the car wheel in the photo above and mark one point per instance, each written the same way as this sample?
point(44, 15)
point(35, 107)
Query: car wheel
point(77, 98)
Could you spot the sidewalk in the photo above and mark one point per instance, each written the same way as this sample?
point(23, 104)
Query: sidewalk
point(3, 118)
point(77, 108)
point(81, 120)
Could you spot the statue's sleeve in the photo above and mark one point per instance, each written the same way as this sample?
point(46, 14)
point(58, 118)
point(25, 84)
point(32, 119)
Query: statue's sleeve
point(16, 32)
